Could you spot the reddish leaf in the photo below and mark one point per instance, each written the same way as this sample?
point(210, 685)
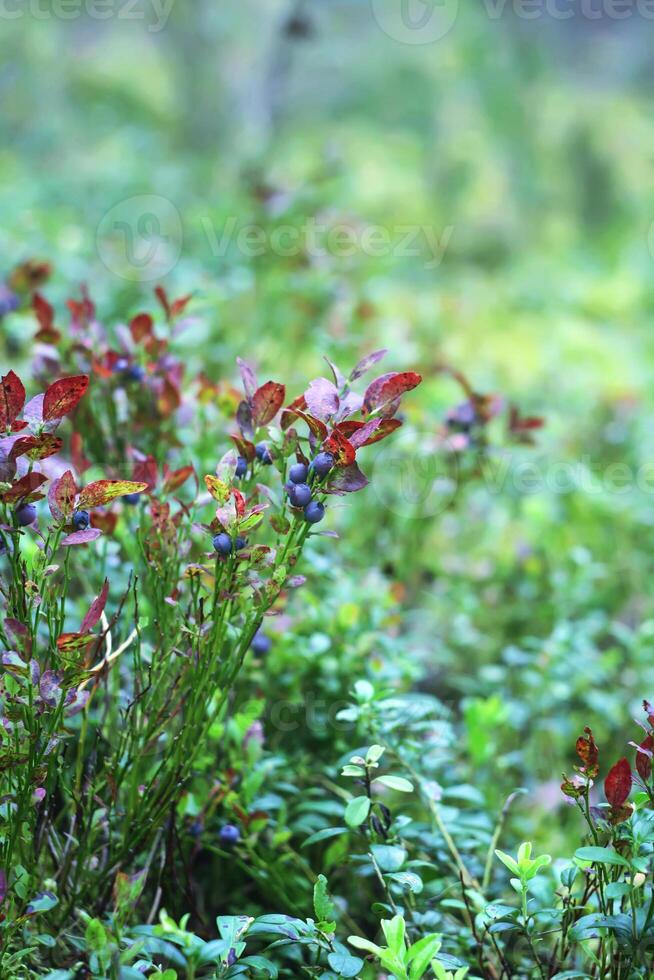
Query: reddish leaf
point(318, 428)
point(169, 398)
point(388, 389)
point(12, 399)
point(24, 487)
point(588, 752)
point(45, 315)
point(105, 520)
point(162, 296)
point(179, 304)
point(73, 645)
point(322, 399)
point(102, 491)
point(644, 758)
point(174, 479)
point(96, 609)
point(145, 471)
point(381, 431)
point(63, 396)
point(266, 402)
point(141, 327)
point(82, 537)
point(239, 500)
point(361, 436)
point(37, 447)
point(245, 447)
point(341, 448)
point(61, 496)
point(617, 784)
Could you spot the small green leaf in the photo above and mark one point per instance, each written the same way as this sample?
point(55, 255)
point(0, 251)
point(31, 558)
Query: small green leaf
point(357, 811)
point(398, 783)
point(322, 904)
point(601, 855)
point(508, 862)
point(345, 965)
point(350, 770)
point(374, 753)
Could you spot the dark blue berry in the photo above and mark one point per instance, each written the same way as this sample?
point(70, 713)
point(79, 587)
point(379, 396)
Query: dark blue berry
point(241, 466)
point(314, 512)
point(300, 494)
point(223, 544)
point(298, 473)
point(81, 520)
point(121, 364)
point(132, 498)
point(135, 373)
point(263, 454)
point(229, 835)
point(240, 543)
point(25, 514)
point(323, 463)
point(463, 417)
point(261, 644)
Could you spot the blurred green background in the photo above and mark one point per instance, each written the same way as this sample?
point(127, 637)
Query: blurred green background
point(516, 153)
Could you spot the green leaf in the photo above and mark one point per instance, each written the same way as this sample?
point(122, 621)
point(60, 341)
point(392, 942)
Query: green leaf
point(351, 770)
point(42, 902)
point(322, 904)
point(345, 965)
point(95, 936)
point(324, 835)
point(508, 862)
point(395, 929)
point(389, 857)
point(374, 753)
point(408, 880)
point(398, 783)
point(357, 811)
point(262, 964)
point(421, 954)
point(601, 855)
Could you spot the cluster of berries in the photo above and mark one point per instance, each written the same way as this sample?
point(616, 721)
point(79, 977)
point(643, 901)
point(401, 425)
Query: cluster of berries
point(299, 486)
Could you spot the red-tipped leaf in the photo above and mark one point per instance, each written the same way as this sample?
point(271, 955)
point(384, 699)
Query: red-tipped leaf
point(63, 396)
point(266, 402)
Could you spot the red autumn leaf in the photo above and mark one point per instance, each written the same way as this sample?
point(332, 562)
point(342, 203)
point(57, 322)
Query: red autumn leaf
point(105, 520)
point(239, 500)
point(644, 760)
point(82, 537)
point(169, 398)
point(245, 447)
point(341, 448)
point(385, 428)
point(145, 471)
point(617, 784)
point(36, 447)
point(266, 402)
point(360, 436)
point(103, 491)
point(45, 315)
point(141, 327)
point(162, 296)
point(63, 396)
point(24, 487)
point(12, 399)
point(388, 389)
point(96, 609)
point(73, 644)
point(61, 496)
point(179, 304)
point(174, 479)
point(317, 428)
point(587, 750)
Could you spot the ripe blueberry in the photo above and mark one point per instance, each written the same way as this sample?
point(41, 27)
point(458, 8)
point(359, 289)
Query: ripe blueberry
point(263, 454)
point(300, 494)
point(25, 514)
point(314, 512)
point(132, 498)
point(135, 373)
point(229, 835)
point(121, 364)
point(223, 544)
point(240, 543)
point(298, 473)
point(323, 463)
point(81, 520)
point(241, 466)
point(261, 644)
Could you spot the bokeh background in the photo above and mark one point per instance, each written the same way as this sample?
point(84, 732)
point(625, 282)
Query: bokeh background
point(492, 164)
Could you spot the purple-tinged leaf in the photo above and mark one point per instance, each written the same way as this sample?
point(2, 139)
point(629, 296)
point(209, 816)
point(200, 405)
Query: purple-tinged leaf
point(339, 377)
point(322, 399)
point(82, 537)
point(367, 362)
point(49, 688)
point(96, 609)
point(248, 378)
point(361, 436)
point(244, 420)
point(347, 479)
